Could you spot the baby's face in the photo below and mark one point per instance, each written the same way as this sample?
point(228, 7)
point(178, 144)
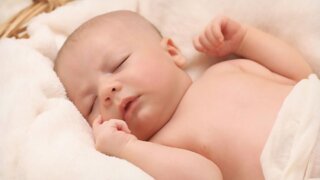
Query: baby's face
point(123, 76)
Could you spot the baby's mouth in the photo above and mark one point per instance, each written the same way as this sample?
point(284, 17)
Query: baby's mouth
point(126, 106)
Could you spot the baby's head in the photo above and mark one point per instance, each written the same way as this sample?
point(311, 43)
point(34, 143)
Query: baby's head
point(118, 66)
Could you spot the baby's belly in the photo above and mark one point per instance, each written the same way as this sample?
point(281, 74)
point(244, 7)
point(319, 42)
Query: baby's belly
point(232, 116)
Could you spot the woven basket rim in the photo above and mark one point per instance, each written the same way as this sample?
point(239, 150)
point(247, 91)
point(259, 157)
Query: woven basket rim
point(16, 26)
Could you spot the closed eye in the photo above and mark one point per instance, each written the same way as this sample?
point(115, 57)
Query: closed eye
point(123, 61)
point(92, 106)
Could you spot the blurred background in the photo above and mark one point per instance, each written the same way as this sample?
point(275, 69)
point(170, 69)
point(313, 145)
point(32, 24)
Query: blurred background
point(10, 7)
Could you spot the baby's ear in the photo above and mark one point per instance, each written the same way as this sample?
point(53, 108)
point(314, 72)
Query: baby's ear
point(173, 51)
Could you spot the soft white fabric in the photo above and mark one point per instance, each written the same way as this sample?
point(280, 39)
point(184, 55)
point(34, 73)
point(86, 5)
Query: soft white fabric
point(291, 151)
point(43, 136)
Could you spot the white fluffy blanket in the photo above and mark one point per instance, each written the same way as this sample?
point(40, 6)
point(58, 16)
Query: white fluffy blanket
point(43, 136)
point(292, 149)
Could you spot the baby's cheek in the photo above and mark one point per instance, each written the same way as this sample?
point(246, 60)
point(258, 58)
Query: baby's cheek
point(144, 123)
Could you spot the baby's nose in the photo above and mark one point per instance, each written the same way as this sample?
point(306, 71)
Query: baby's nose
point(108, 92)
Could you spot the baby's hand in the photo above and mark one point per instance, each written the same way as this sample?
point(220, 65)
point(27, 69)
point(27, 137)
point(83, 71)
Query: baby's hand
point(221, 37)
point(111, 136)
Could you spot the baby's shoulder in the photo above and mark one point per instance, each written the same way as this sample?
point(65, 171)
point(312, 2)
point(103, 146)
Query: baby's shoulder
point(228, 66)
point(245, 67)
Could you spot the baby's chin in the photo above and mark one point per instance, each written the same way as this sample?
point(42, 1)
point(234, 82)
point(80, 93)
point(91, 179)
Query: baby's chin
point(148, 121)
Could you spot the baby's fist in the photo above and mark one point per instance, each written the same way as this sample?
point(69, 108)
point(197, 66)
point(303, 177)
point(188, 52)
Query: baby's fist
point(221, 37)
point(111, 136)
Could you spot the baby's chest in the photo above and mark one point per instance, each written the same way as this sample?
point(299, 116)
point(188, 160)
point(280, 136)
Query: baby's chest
point(233, 95)
point(227, 109)
point(228, 97)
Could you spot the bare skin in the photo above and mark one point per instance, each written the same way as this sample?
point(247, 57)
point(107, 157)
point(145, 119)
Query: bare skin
point(219, 122)
point(233, 127)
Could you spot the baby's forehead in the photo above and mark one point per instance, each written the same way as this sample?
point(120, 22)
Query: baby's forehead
point(107, 29)
point(118, 23)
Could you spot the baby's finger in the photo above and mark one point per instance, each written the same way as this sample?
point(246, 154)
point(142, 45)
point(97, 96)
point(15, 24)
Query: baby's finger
point(204, 41)
point(197, 44)
point(120, 125)
point(97, 122)
point(211, 37)
point(217, 32)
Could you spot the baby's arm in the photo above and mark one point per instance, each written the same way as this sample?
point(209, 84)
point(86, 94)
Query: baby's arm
point(224, 36)
point(162, 162)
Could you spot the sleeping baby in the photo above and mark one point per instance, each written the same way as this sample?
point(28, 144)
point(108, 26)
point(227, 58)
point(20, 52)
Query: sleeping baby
point(129, 84)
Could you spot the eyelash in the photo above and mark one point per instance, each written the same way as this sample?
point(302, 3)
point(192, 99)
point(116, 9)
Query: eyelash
point(92, 106)
point(124, 60)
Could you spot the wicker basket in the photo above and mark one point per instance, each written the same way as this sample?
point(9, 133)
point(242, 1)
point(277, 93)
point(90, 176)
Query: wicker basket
point(16, 26)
